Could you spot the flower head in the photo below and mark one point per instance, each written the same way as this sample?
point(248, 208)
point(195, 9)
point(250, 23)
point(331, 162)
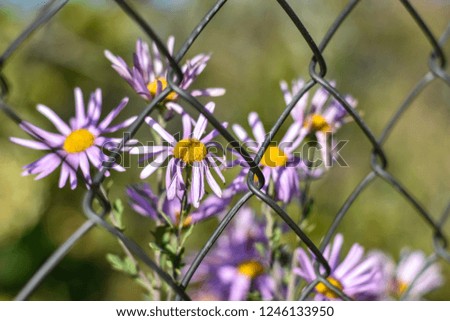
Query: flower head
point(279, 164)
point(359, 277)
point(234, 267)
point(324, 116)
point(148, 75)
point(189, 154)
point(145, 202)
point(412, 278)
point(77, 144)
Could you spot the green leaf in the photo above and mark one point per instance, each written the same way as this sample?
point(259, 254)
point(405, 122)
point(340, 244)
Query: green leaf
point(171, 249)
point(115, 261)
point(261, 248)
point(186, 234)
point(163, 260)
point(276, 236)
point(129, 266)
point(155, 247)
point(118, 214)
point(162, 235)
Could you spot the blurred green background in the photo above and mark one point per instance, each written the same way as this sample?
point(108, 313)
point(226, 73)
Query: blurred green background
point(377, 56)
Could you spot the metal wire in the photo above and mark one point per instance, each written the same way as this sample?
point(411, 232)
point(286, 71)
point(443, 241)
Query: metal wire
point(379, 162)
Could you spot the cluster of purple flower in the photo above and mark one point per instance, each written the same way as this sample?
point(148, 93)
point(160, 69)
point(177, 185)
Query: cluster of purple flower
point(238, 266)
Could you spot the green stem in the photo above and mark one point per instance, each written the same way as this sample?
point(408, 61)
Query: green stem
point(292, 278)
point(177, 238)
point(140, 273)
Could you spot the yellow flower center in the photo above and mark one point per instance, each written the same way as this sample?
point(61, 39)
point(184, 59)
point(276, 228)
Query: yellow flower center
point(317, 123)
point(161, 81)
point(78, 141)
point(251, 268)
point(398, 287)
point(274, 157)
point(401, 288)
point(186, 222)
point(329, 293)
point(190, 150)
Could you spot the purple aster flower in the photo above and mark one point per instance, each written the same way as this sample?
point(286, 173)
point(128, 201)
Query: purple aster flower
point(235, 268)
point(212, 206)
point(145, 202)
point(148, 76)
point(204, 294)
point(190, 154)
point(78, 144)
point(411, 279)
point(279, 164)
point(359, 277)
point(216, 206)
point(325, 115)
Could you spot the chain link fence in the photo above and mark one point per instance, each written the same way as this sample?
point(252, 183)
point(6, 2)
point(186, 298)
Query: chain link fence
point(317, 71)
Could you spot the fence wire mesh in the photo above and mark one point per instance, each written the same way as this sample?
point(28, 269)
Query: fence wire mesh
point(317, 72)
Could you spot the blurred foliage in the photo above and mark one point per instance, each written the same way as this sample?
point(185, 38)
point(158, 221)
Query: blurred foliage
point(377, 56)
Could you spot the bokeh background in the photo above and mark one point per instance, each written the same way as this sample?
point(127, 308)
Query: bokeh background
point(377, 56)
